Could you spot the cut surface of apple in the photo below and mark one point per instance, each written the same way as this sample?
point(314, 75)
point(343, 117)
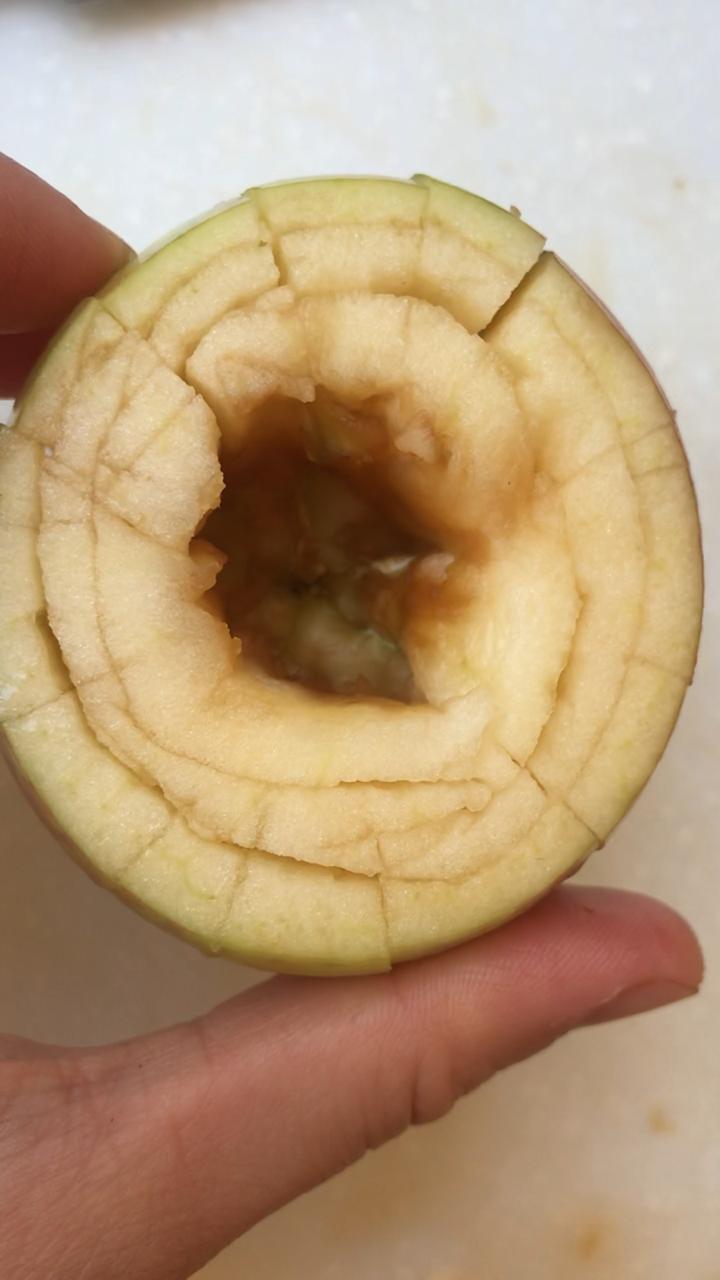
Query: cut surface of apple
point(350, 575)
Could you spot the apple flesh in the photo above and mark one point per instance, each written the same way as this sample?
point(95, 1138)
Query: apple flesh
point(350, 575)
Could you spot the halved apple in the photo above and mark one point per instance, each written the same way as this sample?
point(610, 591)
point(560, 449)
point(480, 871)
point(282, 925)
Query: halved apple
point(350, 575)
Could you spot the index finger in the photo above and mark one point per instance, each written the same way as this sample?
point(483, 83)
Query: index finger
point(51, 255)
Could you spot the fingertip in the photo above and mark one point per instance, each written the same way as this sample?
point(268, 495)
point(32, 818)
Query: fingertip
point(51, 253)
point(662, 937)
point(119, 253)
point(574, 954)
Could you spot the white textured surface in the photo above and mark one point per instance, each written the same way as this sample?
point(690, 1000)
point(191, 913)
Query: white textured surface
point(601, 1159)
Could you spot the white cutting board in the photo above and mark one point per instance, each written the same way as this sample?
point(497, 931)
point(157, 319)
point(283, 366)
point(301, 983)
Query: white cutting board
point(600, 1159)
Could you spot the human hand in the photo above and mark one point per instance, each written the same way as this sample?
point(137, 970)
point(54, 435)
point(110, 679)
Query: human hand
point(144, 1159)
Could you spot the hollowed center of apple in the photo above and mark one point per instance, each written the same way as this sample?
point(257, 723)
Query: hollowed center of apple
point(324, 565)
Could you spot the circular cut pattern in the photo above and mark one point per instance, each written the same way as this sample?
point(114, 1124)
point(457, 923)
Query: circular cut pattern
point(364, 433)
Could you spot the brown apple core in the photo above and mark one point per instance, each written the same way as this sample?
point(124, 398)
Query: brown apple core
point(324, 566)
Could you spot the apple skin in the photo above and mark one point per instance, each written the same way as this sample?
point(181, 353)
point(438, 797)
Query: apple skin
point(630, 342)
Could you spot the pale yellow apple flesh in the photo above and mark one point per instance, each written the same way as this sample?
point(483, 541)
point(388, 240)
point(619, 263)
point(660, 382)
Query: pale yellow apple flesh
point(350, 575)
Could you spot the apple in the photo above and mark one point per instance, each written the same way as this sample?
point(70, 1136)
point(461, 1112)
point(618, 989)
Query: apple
point(350, 575)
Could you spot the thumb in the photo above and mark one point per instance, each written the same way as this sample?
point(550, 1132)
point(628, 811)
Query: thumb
point(187, 1137)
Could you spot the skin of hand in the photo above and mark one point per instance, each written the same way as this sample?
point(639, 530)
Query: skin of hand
point(146, 1158)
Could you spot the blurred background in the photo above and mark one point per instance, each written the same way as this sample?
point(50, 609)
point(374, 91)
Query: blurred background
point(601, 1158)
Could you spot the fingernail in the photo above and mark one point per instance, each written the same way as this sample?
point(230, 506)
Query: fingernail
point(640, 999)
point(119, 249)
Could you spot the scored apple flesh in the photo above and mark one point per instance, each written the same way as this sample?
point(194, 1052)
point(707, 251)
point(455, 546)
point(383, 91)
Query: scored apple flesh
point(350, 575)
